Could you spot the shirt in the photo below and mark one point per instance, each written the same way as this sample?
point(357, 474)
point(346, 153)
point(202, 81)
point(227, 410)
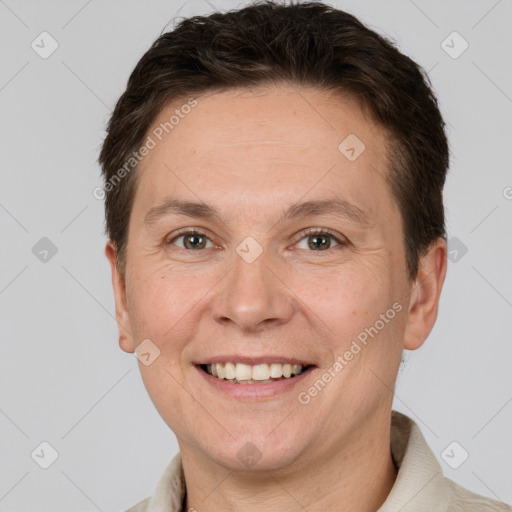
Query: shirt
point(419, 487)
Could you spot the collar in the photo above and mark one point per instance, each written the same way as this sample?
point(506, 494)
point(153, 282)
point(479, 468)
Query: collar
point(419, 485)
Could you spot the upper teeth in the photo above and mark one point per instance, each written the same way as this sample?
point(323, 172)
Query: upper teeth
point(263, 371)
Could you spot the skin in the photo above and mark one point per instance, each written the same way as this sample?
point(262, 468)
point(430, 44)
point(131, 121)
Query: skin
point(252, 154)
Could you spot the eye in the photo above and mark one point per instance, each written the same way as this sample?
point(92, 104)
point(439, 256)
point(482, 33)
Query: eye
point(314, 239)
point(319, 240)
point(192, 240)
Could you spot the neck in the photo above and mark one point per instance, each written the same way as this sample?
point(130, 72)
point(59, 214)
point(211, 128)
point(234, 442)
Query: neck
point(355, 477)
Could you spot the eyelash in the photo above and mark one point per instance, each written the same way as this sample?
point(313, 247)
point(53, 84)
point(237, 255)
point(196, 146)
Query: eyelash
point(307, 233)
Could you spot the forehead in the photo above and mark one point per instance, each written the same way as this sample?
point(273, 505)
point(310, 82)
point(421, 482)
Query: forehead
point(278, 117)
point(277, 142)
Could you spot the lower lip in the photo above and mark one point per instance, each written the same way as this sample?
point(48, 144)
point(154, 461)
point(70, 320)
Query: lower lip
point(255, 391)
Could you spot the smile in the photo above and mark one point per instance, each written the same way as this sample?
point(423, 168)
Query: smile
point(265, 373)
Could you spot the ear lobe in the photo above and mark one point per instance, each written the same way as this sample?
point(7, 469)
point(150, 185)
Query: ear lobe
point(424, 303)
point(119, 287)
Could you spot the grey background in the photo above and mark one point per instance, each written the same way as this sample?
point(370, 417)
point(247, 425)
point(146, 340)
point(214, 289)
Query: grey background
point(63, 378)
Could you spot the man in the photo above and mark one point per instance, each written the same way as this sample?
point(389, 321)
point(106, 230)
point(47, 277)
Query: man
point(273, 181)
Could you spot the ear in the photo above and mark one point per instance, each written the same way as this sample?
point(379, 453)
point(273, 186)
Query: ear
point(122, 317)
point(425, 293)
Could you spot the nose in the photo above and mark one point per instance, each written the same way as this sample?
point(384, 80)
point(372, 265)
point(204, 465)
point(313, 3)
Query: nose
point(254, 296)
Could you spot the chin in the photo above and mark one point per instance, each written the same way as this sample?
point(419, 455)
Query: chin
point(255, 452)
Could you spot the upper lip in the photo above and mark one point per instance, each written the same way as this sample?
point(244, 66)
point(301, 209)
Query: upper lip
point(253, 361)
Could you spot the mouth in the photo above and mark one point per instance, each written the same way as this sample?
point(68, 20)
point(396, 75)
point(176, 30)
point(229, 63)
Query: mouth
point(264, 373)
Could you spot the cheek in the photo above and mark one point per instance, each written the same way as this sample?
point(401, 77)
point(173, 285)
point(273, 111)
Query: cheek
point(163, 382)
point(346, 300)
point(357, 317)
point(161, 304)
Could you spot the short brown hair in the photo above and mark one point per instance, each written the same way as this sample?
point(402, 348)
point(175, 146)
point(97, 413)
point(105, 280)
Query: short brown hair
point(307, 44)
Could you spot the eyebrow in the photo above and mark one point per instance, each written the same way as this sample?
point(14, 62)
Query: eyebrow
point(337, 206)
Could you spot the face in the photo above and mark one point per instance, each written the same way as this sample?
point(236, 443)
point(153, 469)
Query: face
point(261, 237)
